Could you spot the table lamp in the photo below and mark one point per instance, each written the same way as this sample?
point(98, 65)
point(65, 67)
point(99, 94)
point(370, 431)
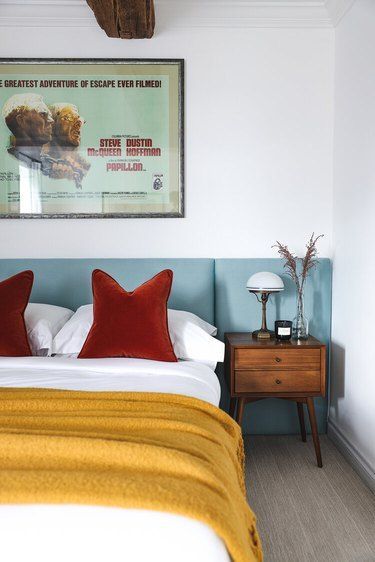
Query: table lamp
point(263, 284)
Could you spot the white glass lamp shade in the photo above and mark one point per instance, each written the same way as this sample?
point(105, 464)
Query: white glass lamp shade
point(265, 282)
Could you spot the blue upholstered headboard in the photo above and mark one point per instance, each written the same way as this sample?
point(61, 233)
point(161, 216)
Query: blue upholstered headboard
point(67, 282)
point(213, 289)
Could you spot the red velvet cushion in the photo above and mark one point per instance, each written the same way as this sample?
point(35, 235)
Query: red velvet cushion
point(14, 296)
point(130, 324)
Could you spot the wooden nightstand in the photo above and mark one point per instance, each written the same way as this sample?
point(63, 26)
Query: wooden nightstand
point(292, 370)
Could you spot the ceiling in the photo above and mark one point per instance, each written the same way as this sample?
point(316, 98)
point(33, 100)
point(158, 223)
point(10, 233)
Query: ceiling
point(185, 13)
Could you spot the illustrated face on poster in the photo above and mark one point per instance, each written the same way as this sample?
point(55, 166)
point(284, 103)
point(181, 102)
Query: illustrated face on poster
point(91, 139)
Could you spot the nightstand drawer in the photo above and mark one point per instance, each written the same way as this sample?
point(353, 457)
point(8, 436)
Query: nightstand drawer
point(308, 359)
point(277, 381)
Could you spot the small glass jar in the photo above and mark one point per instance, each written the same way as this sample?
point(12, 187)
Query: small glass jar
point(283, 330)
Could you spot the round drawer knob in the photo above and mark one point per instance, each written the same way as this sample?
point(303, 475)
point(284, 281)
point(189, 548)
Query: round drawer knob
point(278, 381)
point(278, 360)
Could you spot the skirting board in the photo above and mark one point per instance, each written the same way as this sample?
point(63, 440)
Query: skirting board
point(354, 458)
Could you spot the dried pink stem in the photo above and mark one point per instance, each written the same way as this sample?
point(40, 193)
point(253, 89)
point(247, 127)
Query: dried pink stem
point(307, 263)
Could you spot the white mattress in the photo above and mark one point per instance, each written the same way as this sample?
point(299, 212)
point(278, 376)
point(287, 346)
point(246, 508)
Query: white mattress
point(41, 533)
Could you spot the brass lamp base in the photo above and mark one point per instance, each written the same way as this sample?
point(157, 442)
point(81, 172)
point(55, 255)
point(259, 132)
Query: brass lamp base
point(263, 334)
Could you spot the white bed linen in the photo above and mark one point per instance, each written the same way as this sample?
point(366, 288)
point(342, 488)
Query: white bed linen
point(139, 375)
point(65, 533)
point(41, 533)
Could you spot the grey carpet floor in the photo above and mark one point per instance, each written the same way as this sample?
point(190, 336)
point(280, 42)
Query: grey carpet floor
point(306, 513)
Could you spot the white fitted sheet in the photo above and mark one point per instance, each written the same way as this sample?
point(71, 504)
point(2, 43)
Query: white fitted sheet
point(41, 533)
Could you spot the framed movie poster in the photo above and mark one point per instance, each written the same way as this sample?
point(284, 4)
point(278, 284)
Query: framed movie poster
point(84, 138)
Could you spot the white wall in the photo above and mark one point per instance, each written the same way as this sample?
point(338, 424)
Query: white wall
point(259, 128)
point(352, 411)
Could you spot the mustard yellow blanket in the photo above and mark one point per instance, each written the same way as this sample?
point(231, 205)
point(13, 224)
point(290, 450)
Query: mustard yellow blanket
point(134, 450)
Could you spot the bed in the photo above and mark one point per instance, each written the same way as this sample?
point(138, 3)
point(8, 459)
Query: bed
point(95, 532)
point(98, 533)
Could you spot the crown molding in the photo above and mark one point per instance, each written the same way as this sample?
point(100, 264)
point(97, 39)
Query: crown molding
point(337, 9)
point(46, 13)
point(184, 13)
point(243, 14)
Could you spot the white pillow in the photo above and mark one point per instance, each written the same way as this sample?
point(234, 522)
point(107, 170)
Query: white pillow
point(73, 334)
point(192, 338)
point(43, 322)
point(190, 335)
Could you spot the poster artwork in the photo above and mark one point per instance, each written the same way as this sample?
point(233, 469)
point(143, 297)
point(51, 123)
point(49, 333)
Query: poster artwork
point(91, 139)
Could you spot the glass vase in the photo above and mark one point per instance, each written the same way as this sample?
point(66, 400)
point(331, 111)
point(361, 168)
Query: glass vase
point(300, 328)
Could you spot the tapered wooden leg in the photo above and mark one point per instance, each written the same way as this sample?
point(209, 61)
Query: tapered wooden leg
point(301, 421)
point(240, 410)
point(314, 430)
point(232, 407)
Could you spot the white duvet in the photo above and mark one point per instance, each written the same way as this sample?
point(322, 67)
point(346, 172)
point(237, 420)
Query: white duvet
point(41, 533)
point(139, 375)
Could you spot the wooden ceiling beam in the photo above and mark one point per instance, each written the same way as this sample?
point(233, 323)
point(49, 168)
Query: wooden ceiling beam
point(127, 19)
